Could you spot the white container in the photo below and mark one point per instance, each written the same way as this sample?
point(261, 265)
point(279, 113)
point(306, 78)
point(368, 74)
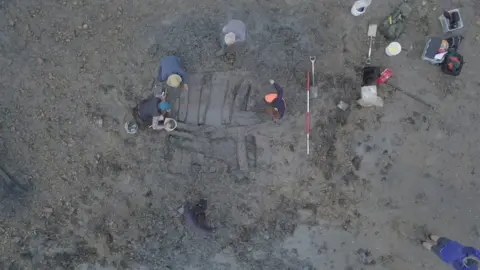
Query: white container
point(167, 122)
point(369, 97)
point(446, 25)
point(360, 6)
point(393, 48)
point(130, 128)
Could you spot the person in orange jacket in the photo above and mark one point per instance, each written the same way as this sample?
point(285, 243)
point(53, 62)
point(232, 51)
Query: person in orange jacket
point(276, 101)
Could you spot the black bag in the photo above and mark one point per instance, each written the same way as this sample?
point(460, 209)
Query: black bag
point(453, 63)
point(454, 42)
point(370, 75)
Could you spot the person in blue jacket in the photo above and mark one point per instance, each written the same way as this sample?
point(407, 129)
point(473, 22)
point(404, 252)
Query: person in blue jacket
point(276, 101)
point(457, 255)
point(171, 71)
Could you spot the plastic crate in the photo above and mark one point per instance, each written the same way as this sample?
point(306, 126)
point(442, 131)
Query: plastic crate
point(431, 49)
point(446, 25)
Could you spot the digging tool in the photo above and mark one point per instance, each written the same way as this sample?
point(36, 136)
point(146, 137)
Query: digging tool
point(372, 33)
point(314, 88)
point(307, 116)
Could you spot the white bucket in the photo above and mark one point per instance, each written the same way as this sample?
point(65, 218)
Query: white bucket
point(393, 48)
point(360, 6)
point(167, 122)
point(130, 128)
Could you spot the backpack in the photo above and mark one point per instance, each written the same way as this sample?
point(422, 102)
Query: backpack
point(394, 24)
point(452, 64)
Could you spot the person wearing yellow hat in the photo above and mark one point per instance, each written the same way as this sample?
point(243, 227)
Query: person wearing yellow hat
point(174, 80)
point(232, 33)
point(171, 71)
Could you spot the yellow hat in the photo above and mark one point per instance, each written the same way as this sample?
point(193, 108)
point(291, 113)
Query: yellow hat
point(174, 80)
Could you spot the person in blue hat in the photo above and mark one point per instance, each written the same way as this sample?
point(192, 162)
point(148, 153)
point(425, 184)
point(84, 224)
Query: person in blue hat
point(159, 120)
point(151, 112)
point(460, 257)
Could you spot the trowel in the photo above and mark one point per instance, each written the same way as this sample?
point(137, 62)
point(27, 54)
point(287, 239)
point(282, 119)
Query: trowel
point(314, 88)
point(372, 33)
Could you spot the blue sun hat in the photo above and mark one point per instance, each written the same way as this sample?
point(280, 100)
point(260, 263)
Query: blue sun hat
point(164, 106)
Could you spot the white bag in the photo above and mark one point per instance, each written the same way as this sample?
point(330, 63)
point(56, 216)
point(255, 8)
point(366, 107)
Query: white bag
point(369, 97)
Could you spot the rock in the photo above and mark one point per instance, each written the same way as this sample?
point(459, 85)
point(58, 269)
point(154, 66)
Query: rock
point(342, 105)
point(40, 60)
point(305, 213)
point(259, 255)
point(85, 26)
point(181, 210)
point(17, 239)
point(11, 22)
point(99, 122)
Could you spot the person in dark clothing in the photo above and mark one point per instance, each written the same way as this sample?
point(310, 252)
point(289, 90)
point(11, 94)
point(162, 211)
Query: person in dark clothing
point(276, 101)
point(457, 255)
point(151, 112)
point(232, 33)
point(171, 71)
point(196, 217)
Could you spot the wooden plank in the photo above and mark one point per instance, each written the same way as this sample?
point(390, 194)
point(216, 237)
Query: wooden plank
point(241, 99)
point(183, 107)
point(245, 119)
point(204, 100)
point(228, 108)
point(214, 112)
point(195, 92)
point(176, 108)
point(242, 150)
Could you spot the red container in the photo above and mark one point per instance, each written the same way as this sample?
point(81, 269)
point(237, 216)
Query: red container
point(384, 76)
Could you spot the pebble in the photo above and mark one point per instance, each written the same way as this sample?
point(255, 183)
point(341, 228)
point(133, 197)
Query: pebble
point(40, 60)
point(85, 26)
point(11, 22)
point(181, 210)
point(99, 122)
point(305, 213)
point(47, 210)
point(342, 105)
point(259, 255)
